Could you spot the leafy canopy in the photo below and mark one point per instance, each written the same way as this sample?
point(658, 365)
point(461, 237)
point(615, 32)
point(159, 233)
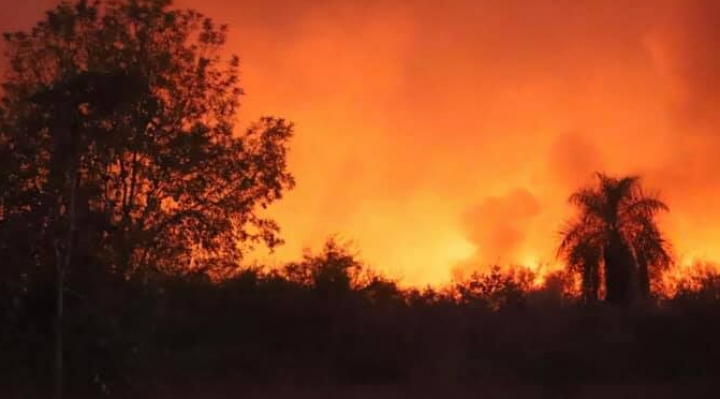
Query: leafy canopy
point(135, 99)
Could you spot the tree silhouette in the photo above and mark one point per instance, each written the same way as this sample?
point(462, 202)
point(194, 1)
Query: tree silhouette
point(134, 98)
point(494, 290)
point(119, 157)
point(616, 230)
point(332, 274)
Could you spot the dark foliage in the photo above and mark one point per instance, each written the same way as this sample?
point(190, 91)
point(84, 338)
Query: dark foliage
point(127, 202)
point(120, 165)
point(339, 325)
point(615, 228)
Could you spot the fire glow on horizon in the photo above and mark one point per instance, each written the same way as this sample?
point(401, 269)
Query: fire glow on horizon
point(443, 138)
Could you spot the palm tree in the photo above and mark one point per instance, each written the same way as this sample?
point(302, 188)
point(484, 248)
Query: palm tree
point(615, 233)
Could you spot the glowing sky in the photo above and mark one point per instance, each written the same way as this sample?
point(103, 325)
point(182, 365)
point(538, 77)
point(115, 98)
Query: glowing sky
point(443, 136)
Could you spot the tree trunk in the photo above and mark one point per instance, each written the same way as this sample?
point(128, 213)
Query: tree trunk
point(591, 283)
point(619, 269)
point(59, 289)
point(643, 278)
point(63, 264)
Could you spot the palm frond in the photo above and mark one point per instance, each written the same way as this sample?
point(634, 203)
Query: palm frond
point(589, 201)
point(652, 245)
point(644, 207)
point(617, 192)
point(626, 185)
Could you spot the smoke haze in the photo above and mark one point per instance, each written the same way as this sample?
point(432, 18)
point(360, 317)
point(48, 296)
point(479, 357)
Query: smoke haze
point(445, 135)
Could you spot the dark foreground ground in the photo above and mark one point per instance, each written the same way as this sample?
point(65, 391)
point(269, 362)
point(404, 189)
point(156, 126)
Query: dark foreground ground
point(269, 336)
point(660, 391)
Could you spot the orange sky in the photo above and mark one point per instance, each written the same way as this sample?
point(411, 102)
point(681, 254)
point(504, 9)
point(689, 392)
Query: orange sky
point(442, 136)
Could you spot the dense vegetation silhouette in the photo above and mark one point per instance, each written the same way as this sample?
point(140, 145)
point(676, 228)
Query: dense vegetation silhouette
point(128, 199)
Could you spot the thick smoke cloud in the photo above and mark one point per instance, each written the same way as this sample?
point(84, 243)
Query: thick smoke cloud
point(497, 228)
point(414, 118)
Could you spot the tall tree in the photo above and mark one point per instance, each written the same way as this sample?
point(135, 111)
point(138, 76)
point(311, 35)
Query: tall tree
point(615, 236)
point(119, 152)
point(133, 99)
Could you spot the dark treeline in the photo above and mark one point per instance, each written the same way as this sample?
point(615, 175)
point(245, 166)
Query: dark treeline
point(327, 321)
point(129, 197)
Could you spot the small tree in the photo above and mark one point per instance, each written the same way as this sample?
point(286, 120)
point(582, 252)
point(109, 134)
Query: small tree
point(496, 289)
point(332, 273)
